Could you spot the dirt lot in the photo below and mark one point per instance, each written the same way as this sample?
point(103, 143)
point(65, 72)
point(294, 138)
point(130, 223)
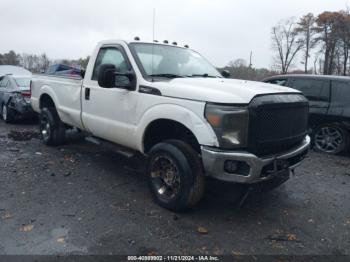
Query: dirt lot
point(85, 199)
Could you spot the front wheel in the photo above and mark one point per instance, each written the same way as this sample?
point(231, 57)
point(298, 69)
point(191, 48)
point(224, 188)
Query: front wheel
point(176, 177)
point(331, 139)
point(51, 127)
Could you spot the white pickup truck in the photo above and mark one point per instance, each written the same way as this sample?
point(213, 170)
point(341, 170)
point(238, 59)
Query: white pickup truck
point(173, 106)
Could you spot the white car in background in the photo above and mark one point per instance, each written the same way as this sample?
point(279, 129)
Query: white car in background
point(15, 93)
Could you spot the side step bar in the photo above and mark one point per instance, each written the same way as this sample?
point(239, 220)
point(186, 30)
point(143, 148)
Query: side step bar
point(114, 147)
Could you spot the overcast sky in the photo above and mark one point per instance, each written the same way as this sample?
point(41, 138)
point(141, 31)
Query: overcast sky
point(222, 30)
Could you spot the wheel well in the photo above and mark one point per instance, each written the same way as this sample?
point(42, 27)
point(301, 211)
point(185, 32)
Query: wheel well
point(46, 101)
point(164, 129)
point(6, 102)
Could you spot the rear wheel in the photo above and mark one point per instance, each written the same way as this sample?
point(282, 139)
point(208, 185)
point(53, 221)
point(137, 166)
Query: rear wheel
point(7, 114)
point(51, 127)
point(176, 177)
point(331, 139)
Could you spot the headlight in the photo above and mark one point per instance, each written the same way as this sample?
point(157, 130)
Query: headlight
point(230, 123)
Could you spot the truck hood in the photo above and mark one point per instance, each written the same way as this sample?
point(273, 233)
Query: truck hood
point(218, 90)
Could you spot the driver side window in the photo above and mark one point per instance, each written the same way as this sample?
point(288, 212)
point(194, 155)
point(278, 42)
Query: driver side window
point(110, 55)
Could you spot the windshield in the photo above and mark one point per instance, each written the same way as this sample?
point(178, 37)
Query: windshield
point(23, 82)
point(172, 61)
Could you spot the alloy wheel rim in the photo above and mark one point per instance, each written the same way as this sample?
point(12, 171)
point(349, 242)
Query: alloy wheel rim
point(4, 112)
point(45, 128)
point(165, 177)
point(328, 139)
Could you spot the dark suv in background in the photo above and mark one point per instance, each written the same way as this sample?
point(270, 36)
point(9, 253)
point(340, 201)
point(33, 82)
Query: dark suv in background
point(329, 98)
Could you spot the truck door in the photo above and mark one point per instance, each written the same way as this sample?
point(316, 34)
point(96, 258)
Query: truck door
point(109, 113)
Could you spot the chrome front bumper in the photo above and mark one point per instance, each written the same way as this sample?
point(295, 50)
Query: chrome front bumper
point(260, 169)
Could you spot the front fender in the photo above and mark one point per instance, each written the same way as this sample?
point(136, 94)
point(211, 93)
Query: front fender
point(199, 126)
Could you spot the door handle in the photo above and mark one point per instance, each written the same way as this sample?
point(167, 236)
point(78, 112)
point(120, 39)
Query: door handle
point(87, 93)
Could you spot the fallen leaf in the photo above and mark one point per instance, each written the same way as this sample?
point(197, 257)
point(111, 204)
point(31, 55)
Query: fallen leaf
point(26, 228)
point(151, 253)
point(217, 251)
point(69, 158)
point(291, 237)
point(7, 216)
point(202, 230)
point(60, 240)
point(235, 253)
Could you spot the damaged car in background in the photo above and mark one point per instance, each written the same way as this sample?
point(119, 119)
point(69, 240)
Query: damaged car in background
point(15, 98)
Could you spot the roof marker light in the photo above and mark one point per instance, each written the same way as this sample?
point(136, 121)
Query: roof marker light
point(166, 42)
point(174, 43)
point(137, 38)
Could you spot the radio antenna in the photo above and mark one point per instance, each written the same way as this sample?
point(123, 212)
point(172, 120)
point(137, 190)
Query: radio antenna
point(153, 40)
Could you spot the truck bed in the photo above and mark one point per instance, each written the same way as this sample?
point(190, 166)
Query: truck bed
point(57, 87)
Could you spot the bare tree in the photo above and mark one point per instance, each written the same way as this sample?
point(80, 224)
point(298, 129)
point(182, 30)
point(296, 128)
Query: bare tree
point(10, 58)
point(238, 63)
point(343, 32)
point(286, 43)
point(306, 31)
point(328, 29)
point(240, 69)
point(44, 62)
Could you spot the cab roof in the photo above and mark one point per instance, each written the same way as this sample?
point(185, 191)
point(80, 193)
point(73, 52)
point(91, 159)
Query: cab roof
point(119, 41)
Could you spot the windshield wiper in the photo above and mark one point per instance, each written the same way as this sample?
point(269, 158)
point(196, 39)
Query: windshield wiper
point(203, 75)
point(167, 75)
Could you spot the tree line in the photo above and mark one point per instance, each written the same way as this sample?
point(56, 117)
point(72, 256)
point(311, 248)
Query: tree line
point(320, 43)
point(326, 35)
point(38, 63)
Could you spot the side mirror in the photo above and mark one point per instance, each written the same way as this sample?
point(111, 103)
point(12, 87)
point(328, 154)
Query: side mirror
point(106, 77)
point(226, 74)
point(109, 78)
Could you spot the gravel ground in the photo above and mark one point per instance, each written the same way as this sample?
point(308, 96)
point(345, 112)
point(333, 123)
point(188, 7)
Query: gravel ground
point(84, 199)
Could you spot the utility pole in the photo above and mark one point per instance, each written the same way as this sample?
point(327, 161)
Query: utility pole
point(250, 60)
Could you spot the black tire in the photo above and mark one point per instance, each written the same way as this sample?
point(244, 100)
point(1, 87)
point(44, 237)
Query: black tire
point(51, 127)
point(331, 139)
point(191, 181)
point(7, 114)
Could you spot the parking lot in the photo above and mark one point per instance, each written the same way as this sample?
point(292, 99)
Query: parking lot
point(84, 199)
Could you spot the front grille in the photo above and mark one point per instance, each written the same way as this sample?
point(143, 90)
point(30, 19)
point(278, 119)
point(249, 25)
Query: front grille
point(277, 122)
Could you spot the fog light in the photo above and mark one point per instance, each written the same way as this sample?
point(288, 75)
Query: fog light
point(230, 166)
point(236, 167)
